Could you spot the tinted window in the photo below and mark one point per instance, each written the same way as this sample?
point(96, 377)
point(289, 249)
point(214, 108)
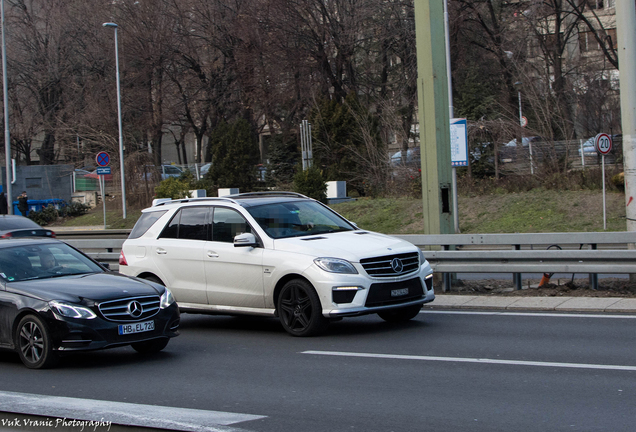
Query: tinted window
point(299, 218)
point(144, 223)
point(172, 170)
point(43, 261)
point(188, 223)
point(193, 223)
point(227, 224)
point(172, 229)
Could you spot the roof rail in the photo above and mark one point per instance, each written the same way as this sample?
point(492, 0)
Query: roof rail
point(185, 200)
point(266, 194)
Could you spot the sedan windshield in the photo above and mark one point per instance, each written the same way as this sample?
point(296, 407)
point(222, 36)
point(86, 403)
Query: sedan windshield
point(298, 218)
point(41, 261)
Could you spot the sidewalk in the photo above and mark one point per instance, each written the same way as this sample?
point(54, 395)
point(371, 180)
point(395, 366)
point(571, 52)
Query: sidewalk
point(559, 304)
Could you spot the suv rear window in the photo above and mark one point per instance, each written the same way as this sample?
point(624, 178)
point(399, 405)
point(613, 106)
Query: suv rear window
point(145, 222)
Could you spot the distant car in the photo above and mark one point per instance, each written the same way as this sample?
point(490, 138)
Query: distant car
point(165, 171)
point(508, 151)
point(412, 156)
point(203, 171)
point(525, 141)
point(170, 171)
point(20, 226)
point(55, 300)
point(588, 147)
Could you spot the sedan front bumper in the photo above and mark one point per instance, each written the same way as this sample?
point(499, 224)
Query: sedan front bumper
point(71, 334)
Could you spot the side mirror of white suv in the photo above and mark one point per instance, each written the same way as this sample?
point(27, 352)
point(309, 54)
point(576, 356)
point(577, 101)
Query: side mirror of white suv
point(245, 240)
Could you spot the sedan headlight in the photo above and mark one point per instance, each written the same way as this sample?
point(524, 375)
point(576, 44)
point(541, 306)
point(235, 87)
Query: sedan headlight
point(166, 299)
point(335, 265)
point(71, 311)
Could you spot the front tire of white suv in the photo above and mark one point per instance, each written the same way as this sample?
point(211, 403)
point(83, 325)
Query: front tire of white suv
point(299, 309)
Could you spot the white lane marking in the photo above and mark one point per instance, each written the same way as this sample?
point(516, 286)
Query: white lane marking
point(532, 314)
point(122, 413)
point(472, 360)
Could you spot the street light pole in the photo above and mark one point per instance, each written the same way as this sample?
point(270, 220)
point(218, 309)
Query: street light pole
point(7, 135)
point(518, 85)
point(121, 136)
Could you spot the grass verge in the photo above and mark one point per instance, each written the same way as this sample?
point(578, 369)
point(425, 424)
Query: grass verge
point(534, 211)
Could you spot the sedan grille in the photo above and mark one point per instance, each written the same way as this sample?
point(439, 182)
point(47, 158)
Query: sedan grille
point(391, 265)
point(130, 309)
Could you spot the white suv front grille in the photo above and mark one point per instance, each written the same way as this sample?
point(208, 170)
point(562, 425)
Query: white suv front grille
point(391, 265)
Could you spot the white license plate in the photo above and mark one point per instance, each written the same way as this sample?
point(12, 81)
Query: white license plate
point(399, 292)
point(136, 327)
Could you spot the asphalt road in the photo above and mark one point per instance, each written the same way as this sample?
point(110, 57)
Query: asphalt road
point(444, 371)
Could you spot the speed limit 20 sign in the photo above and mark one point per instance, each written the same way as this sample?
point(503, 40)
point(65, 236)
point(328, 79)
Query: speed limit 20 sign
point(603, 143)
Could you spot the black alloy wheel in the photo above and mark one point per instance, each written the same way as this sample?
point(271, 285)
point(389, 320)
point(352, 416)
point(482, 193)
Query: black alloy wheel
point(300, 310)
point(401, 314)
point(34, 343)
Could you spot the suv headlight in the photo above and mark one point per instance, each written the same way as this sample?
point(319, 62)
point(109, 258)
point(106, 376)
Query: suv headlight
point(166, 299)
point(71, 311)
point(335, 265)
point(422, 259)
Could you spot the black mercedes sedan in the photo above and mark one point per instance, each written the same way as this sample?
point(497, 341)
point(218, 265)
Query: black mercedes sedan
point(20, 226)
point(55, 300)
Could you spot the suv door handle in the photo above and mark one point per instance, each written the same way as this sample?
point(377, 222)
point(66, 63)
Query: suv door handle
point(161, 251)
point(213, 254)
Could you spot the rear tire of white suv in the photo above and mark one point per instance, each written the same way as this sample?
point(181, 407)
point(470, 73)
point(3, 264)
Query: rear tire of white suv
point(400, 315)
point(299, 309)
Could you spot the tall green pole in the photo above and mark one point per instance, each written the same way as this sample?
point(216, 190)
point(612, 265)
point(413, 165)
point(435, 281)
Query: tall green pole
point(433, 116)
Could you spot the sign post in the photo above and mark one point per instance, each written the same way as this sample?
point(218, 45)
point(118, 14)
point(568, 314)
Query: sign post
point(459, 157)
point(603, 145)
point(103, 159)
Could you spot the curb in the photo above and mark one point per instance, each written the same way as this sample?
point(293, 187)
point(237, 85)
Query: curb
point(561, 304)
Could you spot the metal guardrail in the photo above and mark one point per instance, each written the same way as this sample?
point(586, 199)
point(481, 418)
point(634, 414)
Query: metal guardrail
point(592, 253)
point(597, 253)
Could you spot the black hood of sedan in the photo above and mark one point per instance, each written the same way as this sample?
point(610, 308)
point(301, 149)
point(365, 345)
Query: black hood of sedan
point(94, 286)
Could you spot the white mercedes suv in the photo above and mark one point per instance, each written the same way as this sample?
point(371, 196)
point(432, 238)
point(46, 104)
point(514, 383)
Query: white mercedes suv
point(276, 254)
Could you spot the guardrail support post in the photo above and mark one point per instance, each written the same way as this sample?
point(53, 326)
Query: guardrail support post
point(516, 277)
point(593, 276)
point(446, 277)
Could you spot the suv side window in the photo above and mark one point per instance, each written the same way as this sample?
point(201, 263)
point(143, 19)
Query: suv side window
point(227, 224)
point(189, 223)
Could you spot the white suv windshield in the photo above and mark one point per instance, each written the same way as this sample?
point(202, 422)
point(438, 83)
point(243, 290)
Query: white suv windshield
point(299, 218)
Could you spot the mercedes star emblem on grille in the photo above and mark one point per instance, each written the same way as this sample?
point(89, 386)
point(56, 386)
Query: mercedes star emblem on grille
point(396, 265)
point(134, 309)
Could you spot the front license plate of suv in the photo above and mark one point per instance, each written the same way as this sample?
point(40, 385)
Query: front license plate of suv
point(399, 292)
point(136, 327)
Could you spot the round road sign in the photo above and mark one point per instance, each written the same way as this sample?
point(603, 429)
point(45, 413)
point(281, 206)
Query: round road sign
point(603, 143)
point(102, 159)
point(524, 121)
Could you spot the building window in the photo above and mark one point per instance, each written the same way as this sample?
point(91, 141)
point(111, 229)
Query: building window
point(596, 4)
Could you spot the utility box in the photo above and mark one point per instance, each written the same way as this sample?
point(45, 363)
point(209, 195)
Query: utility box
point(227, 191)
point(198, 193)
point(336, 189)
